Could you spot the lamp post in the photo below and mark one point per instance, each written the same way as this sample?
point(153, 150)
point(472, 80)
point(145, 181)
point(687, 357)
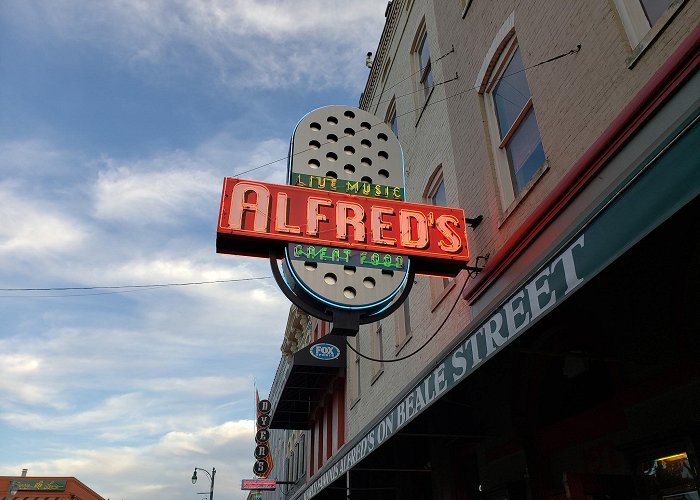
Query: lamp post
point(211, 477)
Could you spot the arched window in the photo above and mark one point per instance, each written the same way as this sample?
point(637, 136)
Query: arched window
point(510, 114)
point(420, 51)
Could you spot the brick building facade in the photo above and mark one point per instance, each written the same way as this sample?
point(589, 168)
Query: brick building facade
point(567, 367)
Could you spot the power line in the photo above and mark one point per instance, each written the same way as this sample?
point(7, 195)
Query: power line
point(437, 330)
point(120, 288)
point(546, 61)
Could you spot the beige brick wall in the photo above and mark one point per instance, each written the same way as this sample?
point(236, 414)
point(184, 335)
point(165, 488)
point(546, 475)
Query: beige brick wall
point(575, 99)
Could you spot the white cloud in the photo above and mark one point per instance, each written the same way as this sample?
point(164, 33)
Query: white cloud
point(198, 386)
point(32, 158)
point(244, 43)
point(168, 188)
point(162, 197)
point(138, 471)
point(32, 227)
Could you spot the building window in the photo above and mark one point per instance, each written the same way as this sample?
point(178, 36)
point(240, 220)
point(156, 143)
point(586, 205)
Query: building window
point(435, 194)
point(391, 117)
point(515, 135)
point(465, 7)
point(426, 71)
point(439, 197)
point(299, 459)
point(639, 16)
point(403, 325)
point(354, 372)
point(422, 67)
point(377, 350)
point(302, 454)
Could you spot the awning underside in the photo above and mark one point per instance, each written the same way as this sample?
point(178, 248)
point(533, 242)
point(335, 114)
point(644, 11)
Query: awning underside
point(302, 394)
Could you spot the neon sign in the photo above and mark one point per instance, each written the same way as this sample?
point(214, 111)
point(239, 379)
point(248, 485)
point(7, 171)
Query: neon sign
point(251, 211)
point(347, 256)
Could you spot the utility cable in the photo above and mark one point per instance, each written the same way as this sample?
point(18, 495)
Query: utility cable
point(551, 59)
point(161, 285)
point(371, 103)
point(109, 290)
point(437, 330)
point(431, 103)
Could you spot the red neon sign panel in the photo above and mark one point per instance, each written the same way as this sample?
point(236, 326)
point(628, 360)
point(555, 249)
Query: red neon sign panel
point(258, 484)
point(253, 212)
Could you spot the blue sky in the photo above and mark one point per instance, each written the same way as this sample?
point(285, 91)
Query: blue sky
point(118, 121)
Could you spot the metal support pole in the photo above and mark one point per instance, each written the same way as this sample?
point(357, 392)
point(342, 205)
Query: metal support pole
point(211, 490)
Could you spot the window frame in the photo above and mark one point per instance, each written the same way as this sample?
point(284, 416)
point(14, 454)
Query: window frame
point(403, 328)
point(505, 172)
point(638, 29)
point(420, 72)
point(391, 117)
point(427, 70)
point(439, 287)
point(354, 373)
point(302, 456)
point(377, 351)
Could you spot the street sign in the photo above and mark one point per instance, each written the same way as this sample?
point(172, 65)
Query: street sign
point(258, 484)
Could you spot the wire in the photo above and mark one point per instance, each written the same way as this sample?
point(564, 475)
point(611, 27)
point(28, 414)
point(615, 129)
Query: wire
point(572, 51)
point(437, 330)
point(117, 288)
point(551, 59)
point(371, 103)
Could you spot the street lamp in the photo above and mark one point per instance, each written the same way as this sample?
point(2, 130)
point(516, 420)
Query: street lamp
point(211, 477)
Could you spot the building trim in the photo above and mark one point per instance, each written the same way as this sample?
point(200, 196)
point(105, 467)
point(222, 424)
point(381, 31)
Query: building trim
point(585, 245)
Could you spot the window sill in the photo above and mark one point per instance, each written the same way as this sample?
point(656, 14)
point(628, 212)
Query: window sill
point(443, 293)
point(523, 194)
point(376, 376)
point(655, 31)
point(403, 343)
point(466, 8)
point(425, 105)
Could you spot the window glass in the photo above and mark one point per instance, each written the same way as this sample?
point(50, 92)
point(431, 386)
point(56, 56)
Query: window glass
point(654, 9)
point(394, 123)
point(406, 318)
point(424, 53)
point(511, 93)
point(425, 67)
point(519, 135)
point(439, 196)
point(525, 152)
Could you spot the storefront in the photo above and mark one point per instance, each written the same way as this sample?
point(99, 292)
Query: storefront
point(578, 377)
